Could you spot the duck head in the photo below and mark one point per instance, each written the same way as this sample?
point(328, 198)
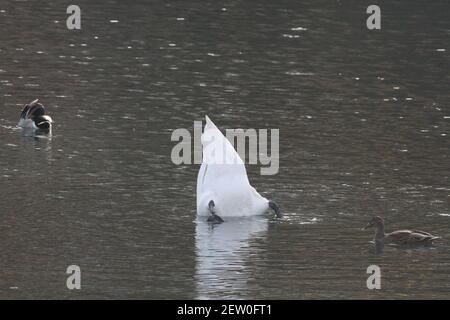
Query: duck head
point(375, 222)
point(43, 122)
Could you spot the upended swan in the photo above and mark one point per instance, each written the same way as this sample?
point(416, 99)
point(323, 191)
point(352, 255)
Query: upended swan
point(33, 117)
point(223, 189)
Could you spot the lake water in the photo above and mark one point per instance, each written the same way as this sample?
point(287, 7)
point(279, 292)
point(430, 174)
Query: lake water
point(364, 122)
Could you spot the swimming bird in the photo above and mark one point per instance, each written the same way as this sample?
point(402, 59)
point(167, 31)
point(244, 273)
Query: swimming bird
point(223, 188)
point(33, 117)
point(399, 237)
point(213, 218)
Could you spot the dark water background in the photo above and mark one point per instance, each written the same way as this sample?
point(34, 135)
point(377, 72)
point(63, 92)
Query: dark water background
point(364, 121)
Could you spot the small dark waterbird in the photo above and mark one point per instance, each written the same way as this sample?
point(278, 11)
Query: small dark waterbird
point(213, 218)
point(399, 237)
point(33, 117)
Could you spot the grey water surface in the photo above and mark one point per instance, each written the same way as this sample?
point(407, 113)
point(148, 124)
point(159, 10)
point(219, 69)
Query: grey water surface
point(364, 121)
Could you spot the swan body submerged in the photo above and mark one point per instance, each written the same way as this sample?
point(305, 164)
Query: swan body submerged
point(223, 188)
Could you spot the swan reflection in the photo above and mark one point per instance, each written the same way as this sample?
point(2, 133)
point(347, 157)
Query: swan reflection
point(222, 252)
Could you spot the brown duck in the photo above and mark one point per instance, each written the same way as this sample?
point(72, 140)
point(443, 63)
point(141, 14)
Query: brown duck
point(399, 237)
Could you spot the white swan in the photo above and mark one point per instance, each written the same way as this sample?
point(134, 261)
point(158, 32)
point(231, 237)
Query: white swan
point(223, 189)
